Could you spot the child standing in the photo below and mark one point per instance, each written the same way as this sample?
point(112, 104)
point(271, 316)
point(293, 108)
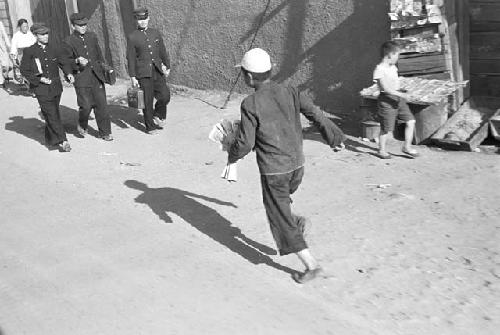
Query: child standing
point(392, 103)
point(270, 125)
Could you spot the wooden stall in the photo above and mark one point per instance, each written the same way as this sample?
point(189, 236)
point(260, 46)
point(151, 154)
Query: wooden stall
point(485, 47)
point(430, 62)
point(428, 101)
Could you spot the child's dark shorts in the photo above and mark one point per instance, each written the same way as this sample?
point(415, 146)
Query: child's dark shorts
point(390, 108)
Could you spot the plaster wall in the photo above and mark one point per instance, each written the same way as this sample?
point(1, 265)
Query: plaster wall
point(19, 9)
point(328, 47)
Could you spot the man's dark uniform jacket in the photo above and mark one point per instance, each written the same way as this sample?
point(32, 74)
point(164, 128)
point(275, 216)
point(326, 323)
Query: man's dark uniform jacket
point(146, 50)
point(86, 46)
point(40, 62)
point(49, 61)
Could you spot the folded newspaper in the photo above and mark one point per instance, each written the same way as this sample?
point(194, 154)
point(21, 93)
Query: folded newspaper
point(224, 133)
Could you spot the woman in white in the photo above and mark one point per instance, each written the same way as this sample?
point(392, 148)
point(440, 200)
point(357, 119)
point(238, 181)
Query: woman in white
point(4, 53)
point(23, 38)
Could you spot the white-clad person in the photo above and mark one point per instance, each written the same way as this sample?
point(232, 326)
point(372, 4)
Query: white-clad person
point(22, 39)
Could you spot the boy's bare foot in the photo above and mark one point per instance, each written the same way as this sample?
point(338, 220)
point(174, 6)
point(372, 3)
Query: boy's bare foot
point(307, 275)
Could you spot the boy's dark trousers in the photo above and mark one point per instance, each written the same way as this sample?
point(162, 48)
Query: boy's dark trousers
point(276, 191)
point(154, 87)
point(54, 130)
point(93, 96)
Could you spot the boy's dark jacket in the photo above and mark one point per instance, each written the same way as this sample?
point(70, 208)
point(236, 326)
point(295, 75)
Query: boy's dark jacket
point(145, 50)
point(270, 125)
point(86, 46)
point(49, 62)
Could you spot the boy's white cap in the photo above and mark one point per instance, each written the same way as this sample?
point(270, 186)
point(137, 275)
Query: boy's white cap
point(256, 60)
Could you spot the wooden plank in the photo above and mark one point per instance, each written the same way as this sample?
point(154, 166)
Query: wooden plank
point(421, 31)
point(438, 75)
point(485, 85)
point(468, 127)
point(462, 69)
point(426, 63)
point(485, 45)
point(484, 26)
point(484, 66)
point(428, 121)
point(485, 11)
point(495, 125)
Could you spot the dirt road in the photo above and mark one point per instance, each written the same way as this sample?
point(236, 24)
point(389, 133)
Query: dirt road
point(141, 236)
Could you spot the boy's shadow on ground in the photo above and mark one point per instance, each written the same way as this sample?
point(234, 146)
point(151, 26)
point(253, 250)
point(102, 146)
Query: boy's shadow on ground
point(126, 117)
point(204, 219)
point(15, 89)
point(34, 127)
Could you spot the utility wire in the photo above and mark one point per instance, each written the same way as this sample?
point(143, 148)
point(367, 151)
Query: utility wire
point(250, 47)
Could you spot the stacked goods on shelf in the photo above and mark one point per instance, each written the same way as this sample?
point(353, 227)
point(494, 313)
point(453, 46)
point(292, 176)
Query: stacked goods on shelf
point(416, 25)
point(420, 90)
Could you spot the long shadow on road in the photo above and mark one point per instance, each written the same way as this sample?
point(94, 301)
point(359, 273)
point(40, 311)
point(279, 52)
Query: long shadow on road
point(33, 128)
point(204, 219)
point(125, 117)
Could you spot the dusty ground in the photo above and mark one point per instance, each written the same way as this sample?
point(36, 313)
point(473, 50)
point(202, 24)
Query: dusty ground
point(141, 236)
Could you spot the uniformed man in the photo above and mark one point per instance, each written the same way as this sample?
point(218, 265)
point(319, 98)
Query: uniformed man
point(40, 66)
point(148, 65)
point(83, 66)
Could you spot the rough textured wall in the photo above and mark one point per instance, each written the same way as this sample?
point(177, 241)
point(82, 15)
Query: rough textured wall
point(328, 47)
point(53, 14)
point(19, 9)
point(106, 21)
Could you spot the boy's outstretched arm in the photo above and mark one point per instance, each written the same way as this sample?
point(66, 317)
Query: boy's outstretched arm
point(245, 138)
point(332, 134)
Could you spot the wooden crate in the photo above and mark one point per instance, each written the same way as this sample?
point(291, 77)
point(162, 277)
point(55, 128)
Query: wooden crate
point(495, 125)
point(426, 30)
point(429, 118)
point(467, 135)
point(422, 63)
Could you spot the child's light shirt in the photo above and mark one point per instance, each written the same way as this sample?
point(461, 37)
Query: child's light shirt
point(390, 73)
point(20, 41)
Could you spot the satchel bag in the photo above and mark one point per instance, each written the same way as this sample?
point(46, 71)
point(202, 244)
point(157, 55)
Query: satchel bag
point(135, 97)
point(109, 74)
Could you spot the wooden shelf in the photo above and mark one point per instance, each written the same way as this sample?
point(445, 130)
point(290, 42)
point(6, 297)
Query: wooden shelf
point(422, 63)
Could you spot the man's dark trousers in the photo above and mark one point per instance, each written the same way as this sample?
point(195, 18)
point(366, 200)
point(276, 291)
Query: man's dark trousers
point(94, 97)
point(54, 130)
point(276, 191)
point(154, 87)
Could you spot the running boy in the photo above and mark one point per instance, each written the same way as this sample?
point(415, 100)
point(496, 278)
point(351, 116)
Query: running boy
point(392, 103)
point(270, 125)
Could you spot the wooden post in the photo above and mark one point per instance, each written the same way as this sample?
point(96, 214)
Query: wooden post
point(456, 37)
point(464, 43)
